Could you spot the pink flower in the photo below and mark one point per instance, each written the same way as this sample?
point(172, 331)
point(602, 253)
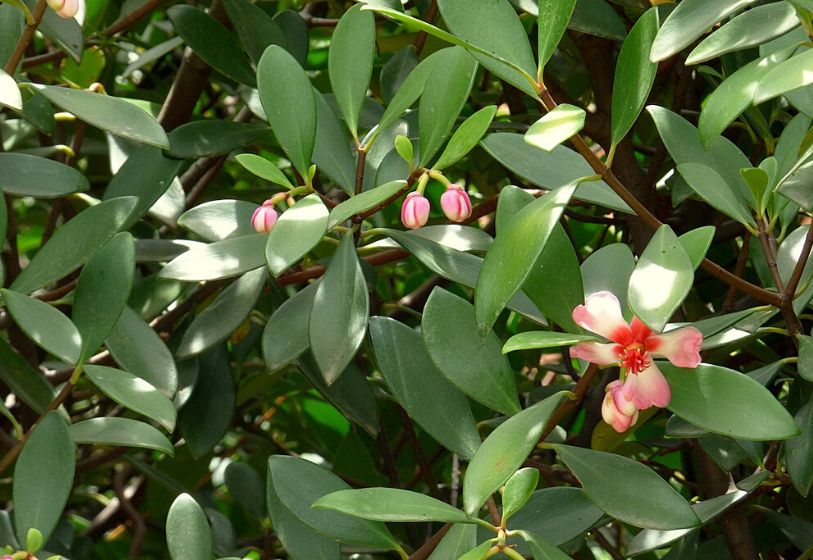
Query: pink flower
point(264, 217)
point(617, 409)
point(633, 346)
point(415, 210)
point(64, 8)
point(456, 203)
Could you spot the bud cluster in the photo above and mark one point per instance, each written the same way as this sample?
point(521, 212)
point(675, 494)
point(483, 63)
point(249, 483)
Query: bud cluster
point(455, 203)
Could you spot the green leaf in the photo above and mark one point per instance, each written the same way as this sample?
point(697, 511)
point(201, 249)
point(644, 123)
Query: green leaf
point(627, 490)
point(33, 541)
point(395, 72)
point(465, 19)
point(403, 146)
point(298, 230)
point(510, 258)
point(334, 151)
point(23, 380)
point(751, 28)
point(27, 175)
point(74, 243)
point(212, 42)
point(466, 137)
point(710, 186)
point(134, 393)
point(558, 514)
point(339, 315)
point(120, 431)
point(518, 490)
point(553, 17)
point(189, 536)
point(289, 105)
point(224, 316)
point(254, 27)
point(45, 325)
point(555, 127)
point(217, 220)
point(246, 486)
point(459, 539)
point(102, 291)
point(363, 202)
point(799, 451)
point(696, 243)
point(264, 169)
point(391, 505)
point(791, 74)
point(411, 88)
point(299, 483)
point(111, 114)
point(445, 93)
point(661, 279)
point(541, 549)
point(597, 17)
point(221, 259)
point(435, 405)
point(479, 551)
point(285, 336)
point(213, 138)
point(480, 370)
point(689, 21)
point(550, 170)
point(805, 365)
point(533, 340)
point(634, 74)
point(43, 477)
point(138, 349)
point(609, 269)
point(350, 63)
point(723, 401)
point(503, 451)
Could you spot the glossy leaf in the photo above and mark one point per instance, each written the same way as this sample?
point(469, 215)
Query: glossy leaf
point(533, 340)
point(634, 74)
point(134, 393)
point(74, 243)
point(45, 325)
point(727, 404)
point(289, 104)
point(111, 114)
point(558, 514)
point(339, 314)
point(333, 153)
point(598, 18)
point(466, 137)
point(219, 219)
point(285, 336)
point(555, 127)
point(264, 169)
point(120, 431)
point(350, 62)
point(213, 137)
point(518, 490)
point(661, 279)
point(102, 291)
point(445, 93)
point(503, 451)
point(696, 243)
point(298, 230)
point(609, 269)
point(28, 175)
point(480, 370)
point(221, 259)
point(791, 74)
point(43, 477)
point(364, 202)
point(435, 405)
point(627, 490)
point(189, 536)
point(509, 260)
point(553, 17)
point(457, 541)
point(391, 505)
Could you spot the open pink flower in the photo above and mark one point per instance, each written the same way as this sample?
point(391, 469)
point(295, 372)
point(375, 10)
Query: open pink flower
point(633, 346)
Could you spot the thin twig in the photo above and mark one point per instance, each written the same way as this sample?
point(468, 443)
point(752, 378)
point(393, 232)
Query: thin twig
point(25, 38)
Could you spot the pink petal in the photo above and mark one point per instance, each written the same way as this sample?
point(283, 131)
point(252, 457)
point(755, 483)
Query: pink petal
point(596, 352)
point(681, 346)
point(621, 398)
point(601, 314)
point(648, 388)
point(614, 417)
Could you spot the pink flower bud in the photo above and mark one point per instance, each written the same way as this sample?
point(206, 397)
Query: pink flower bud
point(264, 217)
point(456, 203)
point(64, 8)
point(415, 211)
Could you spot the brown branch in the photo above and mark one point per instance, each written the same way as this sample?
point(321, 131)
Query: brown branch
point(25, 38)
point(739, 270)
point(429, 17)
point(429, 546)
point(131, 18)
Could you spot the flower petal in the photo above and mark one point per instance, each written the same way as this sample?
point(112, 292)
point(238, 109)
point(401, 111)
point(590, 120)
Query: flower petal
point(614, 417)
point(681, 346)
point(648, 388)
point(596, 352)
point(601, 314)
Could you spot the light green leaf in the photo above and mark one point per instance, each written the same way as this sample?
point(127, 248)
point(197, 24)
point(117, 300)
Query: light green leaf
point(609, 269)
point(518, 490)
point(45, 325)
point(350, 62)
point(805, 365)
point(264, 169)
point(793, 73)
point(627, 490)
point(189, 536)
point(696, 243)
point(363, 202)
point(217, 220)
point(634, 74)
point(435, 405)
point(555, 127)
point(459, 539)
point(298, 230)
point(533, 340)
point(723, 401)
point(661, 279)
point(553, 17)
point(289, 105)
point(448, 326)
point(28, 175)
point(134, 393)
point(712, 188)
point(120, 431)
point(466, 137)
point(391, 505)
point(221, 259)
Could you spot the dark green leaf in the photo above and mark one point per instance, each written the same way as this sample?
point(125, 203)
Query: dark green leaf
point(120, 431)
point(557, 514)
point(609, 269)
point(298, 230)
point(459, 539)
point(45, 325)
point(25, 382)
point(27, 175)
point(363, 202)
point(213, 138)
point(391, 505)
point(553, 17)
point(285, 336)
point(542, 550)
point(411, 88)
point(395, 72)
point(295, 31)
point(189, 536)
point(246, 486)
point(254, 27)
point(134, 393)
point(597, 17)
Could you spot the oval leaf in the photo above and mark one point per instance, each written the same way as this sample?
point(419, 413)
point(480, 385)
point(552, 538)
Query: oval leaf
point(134, 393)
point(27, 175)
point(213, 137)
point(554, 16)
point(391, 505)
point(188, 534)
point(555, 127)
point(518, 490)
point(466, 137)
point(264, 169)
point(364, 202)
point(543, 339)
point(219, 219)
point(285, 336)
point(221, 259)
point(298, 230)
point(45, 325)
point(120, 431)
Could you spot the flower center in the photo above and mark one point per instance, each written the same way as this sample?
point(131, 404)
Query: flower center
point(634, 357)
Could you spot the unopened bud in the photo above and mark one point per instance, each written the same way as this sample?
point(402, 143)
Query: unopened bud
point(415, 211)
point(64, 8)
point(456, 203)
point(264, 217)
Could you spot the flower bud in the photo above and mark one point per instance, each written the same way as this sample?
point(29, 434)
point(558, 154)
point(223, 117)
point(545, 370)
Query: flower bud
point(64, 8)
point(415, 211)
point(456, 203)
point(264, 217)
